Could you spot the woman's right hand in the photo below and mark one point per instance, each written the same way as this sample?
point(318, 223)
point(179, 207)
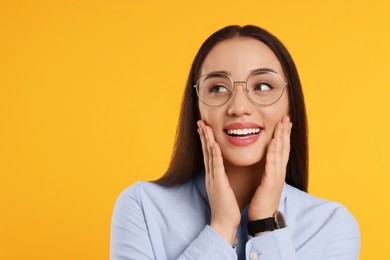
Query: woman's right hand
point(225, 212)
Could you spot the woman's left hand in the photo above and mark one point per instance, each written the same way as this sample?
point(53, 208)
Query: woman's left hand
point(266, 199)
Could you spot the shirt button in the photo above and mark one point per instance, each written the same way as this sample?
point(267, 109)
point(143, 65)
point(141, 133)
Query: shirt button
point(253, 255)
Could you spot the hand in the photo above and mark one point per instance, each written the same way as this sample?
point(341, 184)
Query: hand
point(266, 199)
point(225, 213)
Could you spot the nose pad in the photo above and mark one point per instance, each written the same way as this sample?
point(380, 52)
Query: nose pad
point(240, 104)
point(244, 88)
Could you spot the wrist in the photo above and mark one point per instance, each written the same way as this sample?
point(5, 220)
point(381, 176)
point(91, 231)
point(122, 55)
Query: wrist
point(261, 215)
point(257, 214)
point(260, 226)
point(228, 234)
point(260, 233)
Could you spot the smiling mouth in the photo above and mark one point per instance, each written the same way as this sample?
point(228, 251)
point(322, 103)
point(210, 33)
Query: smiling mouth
point(243, 133)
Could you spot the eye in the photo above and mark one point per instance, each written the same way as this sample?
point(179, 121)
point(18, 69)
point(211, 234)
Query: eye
point(218, 88)
point(262, 87)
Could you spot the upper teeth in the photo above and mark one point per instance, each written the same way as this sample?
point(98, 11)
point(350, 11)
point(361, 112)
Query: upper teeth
point(244, 131)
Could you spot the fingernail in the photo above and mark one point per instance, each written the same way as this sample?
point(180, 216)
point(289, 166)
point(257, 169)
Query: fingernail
point(198, 123)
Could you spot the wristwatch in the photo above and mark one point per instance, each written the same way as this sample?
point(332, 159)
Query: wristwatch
point(277, 221)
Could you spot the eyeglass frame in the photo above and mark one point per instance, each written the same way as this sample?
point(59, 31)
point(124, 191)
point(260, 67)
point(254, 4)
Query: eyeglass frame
point(246, 90)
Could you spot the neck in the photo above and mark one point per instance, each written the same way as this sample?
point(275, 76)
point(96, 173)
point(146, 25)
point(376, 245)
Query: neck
point(244, 181)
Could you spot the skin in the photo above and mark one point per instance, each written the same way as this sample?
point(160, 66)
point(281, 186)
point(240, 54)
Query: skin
point(240, 175)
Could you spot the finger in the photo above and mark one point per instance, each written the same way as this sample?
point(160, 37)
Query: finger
point(204, 145)
point(210, 141)
point(278, 129)
point(218, 167)
point(284, 146)
point(278, 148)
point(270, 168)
point(286, 140)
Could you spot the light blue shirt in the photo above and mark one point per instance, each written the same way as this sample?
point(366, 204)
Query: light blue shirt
point(154, 222)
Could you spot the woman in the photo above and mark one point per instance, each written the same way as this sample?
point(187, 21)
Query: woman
point(235, 189)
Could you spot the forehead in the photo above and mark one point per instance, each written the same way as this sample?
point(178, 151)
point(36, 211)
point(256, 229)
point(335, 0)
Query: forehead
point(239, 56)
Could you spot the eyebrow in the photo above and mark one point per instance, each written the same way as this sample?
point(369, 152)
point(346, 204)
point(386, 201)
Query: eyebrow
point(219, 72)
point(255, 71)
point(262, 70)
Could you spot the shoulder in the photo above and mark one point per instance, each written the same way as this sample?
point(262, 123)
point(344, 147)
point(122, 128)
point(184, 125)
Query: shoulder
point(141, 194)
point(138, 197)
point(137, 190)
point(159, 206)
point(306, 201)
point(140, 190)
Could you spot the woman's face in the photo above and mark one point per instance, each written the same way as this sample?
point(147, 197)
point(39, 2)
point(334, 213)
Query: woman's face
point(238, 57)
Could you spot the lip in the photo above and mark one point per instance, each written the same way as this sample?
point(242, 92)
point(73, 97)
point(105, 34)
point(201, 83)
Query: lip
point(242, 141)
point(241, 125)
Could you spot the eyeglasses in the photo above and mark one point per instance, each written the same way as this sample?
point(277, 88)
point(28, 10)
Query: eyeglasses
point(263, 87)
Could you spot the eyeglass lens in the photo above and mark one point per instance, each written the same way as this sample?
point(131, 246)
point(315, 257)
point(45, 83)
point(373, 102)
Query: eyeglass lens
point(263, 88)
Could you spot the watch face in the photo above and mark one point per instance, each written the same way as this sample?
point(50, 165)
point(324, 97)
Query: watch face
point(280, 221)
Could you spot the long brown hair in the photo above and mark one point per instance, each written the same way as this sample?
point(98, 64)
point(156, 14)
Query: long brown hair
point(187, 158)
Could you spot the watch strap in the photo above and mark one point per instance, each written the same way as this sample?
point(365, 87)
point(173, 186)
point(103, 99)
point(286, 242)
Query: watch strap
point(261, 225)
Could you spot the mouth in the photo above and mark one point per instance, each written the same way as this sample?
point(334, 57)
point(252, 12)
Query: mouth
point(243, 133)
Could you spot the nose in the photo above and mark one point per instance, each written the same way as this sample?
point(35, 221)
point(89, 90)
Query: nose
point(239, 104)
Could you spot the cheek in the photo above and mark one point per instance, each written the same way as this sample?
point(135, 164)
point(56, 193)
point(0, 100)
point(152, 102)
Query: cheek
point(274, 114)
point(202, 112)
point(209, 115)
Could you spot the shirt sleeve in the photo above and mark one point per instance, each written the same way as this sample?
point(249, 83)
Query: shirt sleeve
point(344, 244)
point(272, 245)
point(130, 236)
point(209, 245)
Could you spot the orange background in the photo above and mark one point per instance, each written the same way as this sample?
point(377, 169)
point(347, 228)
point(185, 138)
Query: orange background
point(90, 94)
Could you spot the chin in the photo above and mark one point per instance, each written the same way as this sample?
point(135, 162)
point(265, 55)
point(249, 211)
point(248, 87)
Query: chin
point(242, 161)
